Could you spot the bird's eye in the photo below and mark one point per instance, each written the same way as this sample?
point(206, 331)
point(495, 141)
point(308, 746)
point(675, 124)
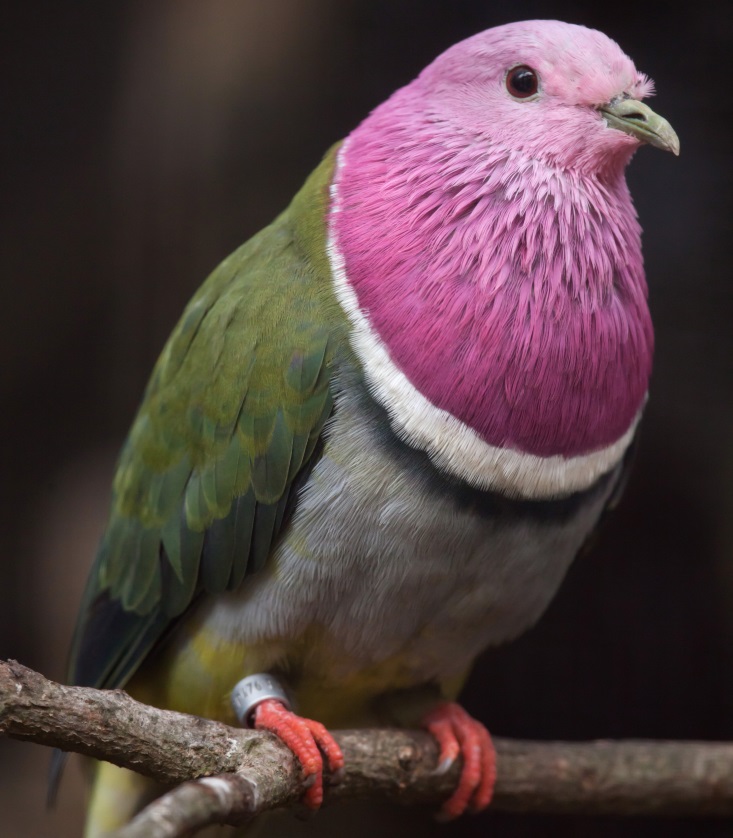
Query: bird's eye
point(522, 82)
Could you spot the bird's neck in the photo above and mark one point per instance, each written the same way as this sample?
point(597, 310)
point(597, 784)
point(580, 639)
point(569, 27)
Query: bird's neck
point(494, 296)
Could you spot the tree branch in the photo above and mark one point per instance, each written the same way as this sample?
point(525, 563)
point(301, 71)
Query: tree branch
point(252, 771)
point(226, 798)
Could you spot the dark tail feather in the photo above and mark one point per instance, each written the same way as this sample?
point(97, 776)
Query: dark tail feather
point(55, 770)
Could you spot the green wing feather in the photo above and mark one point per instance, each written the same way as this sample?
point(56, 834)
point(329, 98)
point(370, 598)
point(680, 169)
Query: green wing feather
point(229, 422)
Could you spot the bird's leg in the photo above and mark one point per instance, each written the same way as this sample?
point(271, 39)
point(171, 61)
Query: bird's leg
point(260, 701)
point(306, 739)
point(460, 734)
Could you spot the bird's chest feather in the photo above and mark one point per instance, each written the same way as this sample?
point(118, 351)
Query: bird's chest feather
point(505, 293)
point(386, 564)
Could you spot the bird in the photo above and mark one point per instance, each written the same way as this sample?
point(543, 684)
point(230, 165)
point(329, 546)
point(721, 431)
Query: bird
point(384, 427)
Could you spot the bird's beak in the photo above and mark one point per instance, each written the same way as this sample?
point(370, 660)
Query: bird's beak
point(639, 120)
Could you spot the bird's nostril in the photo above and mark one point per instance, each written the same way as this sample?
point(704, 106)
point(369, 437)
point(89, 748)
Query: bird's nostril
point(636, 115)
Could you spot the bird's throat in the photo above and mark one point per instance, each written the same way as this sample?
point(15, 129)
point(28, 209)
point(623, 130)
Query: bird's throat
point(507, 302)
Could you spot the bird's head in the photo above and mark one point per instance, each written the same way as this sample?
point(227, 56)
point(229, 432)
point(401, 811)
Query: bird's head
point(554, 91)
point(485, 246)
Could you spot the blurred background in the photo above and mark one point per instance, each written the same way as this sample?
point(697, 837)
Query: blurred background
point(143, 141)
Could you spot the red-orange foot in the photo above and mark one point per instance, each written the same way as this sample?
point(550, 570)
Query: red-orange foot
point(458, 733)
point(304, 737)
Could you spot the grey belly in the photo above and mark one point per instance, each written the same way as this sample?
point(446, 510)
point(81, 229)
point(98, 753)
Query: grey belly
point(389, 562)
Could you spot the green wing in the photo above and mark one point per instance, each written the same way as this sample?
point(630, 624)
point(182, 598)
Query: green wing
point(228, 427)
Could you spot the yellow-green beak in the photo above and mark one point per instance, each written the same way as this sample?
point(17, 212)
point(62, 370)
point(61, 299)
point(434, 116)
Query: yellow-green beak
point(639, 120)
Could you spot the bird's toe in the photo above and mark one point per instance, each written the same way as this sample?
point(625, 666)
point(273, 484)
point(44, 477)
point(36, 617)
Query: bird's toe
point(309, 740)
point(457, 734)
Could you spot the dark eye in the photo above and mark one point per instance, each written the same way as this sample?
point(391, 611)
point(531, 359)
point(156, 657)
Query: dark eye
point(522, 82)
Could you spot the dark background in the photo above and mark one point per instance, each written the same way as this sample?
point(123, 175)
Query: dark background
point(143, 141)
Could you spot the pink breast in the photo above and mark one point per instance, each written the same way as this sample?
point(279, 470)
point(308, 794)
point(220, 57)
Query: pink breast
point(525, 319)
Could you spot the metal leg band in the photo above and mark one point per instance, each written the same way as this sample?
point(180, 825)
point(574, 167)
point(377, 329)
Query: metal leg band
point(253, 690)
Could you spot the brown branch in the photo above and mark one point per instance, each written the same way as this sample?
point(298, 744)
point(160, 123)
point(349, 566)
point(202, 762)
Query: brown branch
point(226, 798)
point(256, 771)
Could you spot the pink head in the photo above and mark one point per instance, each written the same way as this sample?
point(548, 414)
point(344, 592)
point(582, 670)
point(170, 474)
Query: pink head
point(578, 70)
point(487, 233)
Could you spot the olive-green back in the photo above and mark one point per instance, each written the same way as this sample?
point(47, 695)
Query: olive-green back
point(229, 424)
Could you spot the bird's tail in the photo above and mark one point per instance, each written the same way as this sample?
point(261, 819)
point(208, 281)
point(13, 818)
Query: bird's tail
point(55, 771)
